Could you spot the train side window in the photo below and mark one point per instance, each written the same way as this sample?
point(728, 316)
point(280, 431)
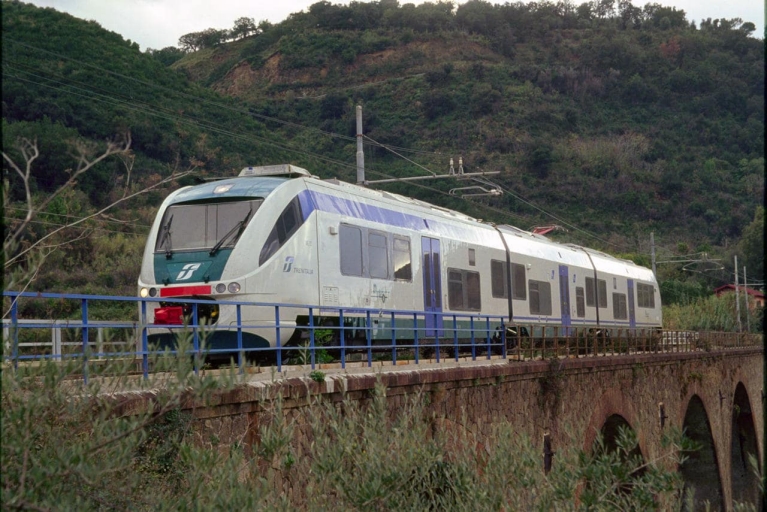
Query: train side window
point(518, 281)
point(472, 258)
point(645, 296)
point(378, 256)
point(602, 293)
point(463, 292)
point(287, 223)
point(350, 238)
point(403, 269)
point(591, 295)
point(498, 279)
point(473, 296)
point(540, 297)
point(620, 312)
point(580, 302)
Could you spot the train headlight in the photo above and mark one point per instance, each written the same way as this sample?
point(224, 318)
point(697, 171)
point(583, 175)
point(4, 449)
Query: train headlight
point(220, 288)
point(234, 287)
point(153, 292)
point(144, 293)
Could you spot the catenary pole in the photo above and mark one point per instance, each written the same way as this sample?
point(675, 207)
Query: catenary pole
point(652, 254)
point(360, 152)
point(745, 290)
point(737, 296)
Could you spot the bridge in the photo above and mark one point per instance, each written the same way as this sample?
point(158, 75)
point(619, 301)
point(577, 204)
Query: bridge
point(559, 389)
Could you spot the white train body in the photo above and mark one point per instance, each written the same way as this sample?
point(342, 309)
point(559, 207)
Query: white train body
point(306, 241)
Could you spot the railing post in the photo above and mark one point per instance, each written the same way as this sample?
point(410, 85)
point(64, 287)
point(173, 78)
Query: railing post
point(368, 336)
point(473, 341)
point(15, 330)
point(56, 335)
point(437, 334)
point(455, 335)
point(393, 340)
point(341, 337)
point(144, 342)
point(488, 337)
point(415, 333)
point(84, 312)
point(240, 352)
point(503, 339)
point(278, 342)
point(196, 340)
point(311, 337)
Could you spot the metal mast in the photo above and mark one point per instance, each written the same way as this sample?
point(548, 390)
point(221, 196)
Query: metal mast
point(360, 152)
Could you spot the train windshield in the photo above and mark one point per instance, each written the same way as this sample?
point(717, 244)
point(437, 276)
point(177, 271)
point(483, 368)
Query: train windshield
point(210, 226)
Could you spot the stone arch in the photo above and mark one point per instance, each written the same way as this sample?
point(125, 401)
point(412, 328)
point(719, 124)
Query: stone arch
point(701, 469)
point(610, 432)
point(743, 443)
point(612, 403)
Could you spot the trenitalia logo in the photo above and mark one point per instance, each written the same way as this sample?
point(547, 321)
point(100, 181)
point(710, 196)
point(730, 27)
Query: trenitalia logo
point(288, 264)
point(187, 271)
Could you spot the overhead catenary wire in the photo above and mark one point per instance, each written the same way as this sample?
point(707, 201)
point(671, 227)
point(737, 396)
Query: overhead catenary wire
point(201, 99)
point(143, 108)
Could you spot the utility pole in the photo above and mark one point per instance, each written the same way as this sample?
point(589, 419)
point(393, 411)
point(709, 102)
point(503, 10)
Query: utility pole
point(460, 174)
point(652, 254)
point(360, 152)
point(737, 296)
point(745, 289)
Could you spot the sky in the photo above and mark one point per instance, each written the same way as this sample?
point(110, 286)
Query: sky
point(159, 23)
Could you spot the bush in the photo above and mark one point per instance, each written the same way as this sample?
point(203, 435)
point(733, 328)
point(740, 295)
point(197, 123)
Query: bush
point(81, 453)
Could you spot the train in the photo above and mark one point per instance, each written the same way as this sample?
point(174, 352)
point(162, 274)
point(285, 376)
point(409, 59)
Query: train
point(280, 235)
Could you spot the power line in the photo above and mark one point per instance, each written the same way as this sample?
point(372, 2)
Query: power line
point(143, 108)
point(194, 97)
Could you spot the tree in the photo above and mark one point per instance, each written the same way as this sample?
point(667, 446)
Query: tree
point(243, 27)
point(190, 42)
point(25, 253)
point(167, 55)
point(752, 244)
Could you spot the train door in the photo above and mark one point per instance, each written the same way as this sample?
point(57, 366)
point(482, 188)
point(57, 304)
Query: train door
point(564, 298)
point(432, 286)
point(632, 315)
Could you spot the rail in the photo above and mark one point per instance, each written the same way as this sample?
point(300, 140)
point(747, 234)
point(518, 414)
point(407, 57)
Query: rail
point(323, 334)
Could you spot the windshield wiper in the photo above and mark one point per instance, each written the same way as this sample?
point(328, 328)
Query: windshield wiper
point(238, 228)
point(165, 239)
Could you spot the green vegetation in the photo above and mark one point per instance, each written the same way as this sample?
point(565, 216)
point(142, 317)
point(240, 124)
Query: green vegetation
point(87, 453)
point(619, 119)
point(714, 314)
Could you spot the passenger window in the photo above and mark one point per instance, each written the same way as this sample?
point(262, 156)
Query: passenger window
point(619, 306)
point(518, 281)
point(403, 270)
point(580, 302)
point(351, 250)
point(463, 290)
point(287, 223)
point(645, 296)
point(540, 297)
point(590, 293)
point(378, 256)
point(498, 279)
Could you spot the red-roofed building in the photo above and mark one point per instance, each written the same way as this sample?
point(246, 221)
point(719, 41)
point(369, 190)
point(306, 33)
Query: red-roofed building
point(756, 296)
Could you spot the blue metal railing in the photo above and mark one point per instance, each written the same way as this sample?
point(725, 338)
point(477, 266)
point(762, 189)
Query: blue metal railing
point(351, 330)
point(371, 333)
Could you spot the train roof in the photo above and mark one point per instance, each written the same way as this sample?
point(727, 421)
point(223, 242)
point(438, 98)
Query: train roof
point(262, 181)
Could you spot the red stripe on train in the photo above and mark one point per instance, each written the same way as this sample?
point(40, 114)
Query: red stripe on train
point(184, 290)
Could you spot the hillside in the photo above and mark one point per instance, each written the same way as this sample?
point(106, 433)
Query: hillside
point(616, 123)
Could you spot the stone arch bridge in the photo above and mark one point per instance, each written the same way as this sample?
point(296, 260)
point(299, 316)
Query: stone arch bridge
point(716, 396)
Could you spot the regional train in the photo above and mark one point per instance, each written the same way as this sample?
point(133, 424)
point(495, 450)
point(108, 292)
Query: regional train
point(278, 235)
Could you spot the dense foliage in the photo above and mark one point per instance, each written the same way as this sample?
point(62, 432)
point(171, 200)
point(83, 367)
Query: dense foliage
point(84, 452)
point(617, 119)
